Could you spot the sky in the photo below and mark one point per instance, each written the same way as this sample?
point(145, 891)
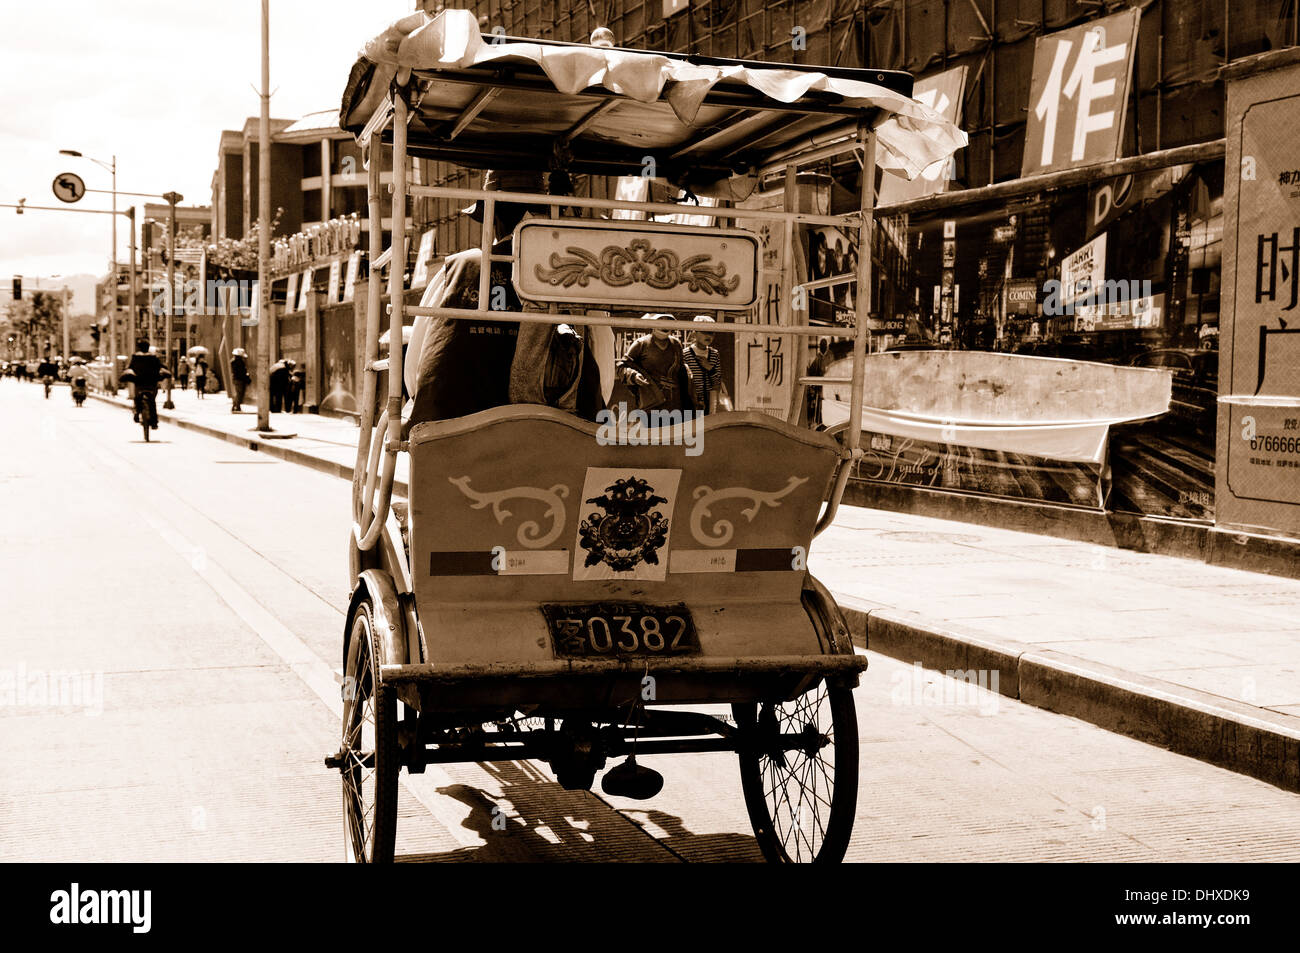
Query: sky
point(153, 83)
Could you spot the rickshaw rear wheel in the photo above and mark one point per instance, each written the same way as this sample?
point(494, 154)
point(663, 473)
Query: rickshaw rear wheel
point(801, 800)
point(370, 753)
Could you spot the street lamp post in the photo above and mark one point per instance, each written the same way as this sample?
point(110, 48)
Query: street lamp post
point(135, 310)
point(172, 198)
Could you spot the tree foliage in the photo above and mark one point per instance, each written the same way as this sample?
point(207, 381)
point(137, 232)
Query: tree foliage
point(36, 319)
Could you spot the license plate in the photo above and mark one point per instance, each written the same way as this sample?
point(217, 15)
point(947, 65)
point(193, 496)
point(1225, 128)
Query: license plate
point(621, 630)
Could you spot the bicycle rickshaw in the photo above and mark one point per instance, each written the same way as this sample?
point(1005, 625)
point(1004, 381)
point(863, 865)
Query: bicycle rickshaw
point(545, 595)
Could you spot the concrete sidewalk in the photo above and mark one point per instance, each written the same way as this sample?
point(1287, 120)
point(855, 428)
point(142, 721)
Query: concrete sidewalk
point(1201, 659)
point(328, 444)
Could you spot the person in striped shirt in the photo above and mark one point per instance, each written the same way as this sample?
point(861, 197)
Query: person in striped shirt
point(704, 365)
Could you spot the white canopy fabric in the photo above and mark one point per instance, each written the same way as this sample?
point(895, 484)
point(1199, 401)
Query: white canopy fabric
point(1015, 403)
point(1077, 441)
point(910, 135)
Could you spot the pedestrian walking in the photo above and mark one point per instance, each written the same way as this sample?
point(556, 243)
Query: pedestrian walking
point(297, 385)
point(183, 372)
point(279, 385)
point(654, 370)
point(239, 378)
point(201, 375)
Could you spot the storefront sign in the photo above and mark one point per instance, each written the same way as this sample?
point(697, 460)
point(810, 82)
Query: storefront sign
point(942, 92)
point(764, 366)
point(336, 269)
point(895, 325)
point(1022, 296)
point(1078, 94)
point(1111, 198)
point(304, 289)
point(354, 269)
point(1135, 313)
point(1258, 474)
point(1084, 271)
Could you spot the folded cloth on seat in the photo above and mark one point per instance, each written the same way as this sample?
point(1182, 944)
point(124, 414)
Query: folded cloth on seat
point(555, 365)
point(464, 364)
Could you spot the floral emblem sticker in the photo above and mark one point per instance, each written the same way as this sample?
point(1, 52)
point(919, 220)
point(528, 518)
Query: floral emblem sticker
point(624, 524)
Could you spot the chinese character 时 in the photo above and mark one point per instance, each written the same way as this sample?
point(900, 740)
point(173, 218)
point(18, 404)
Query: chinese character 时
point(1272, 255)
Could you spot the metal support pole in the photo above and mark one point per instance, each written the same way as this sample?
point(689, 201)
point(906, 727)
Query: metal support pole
point(862, 336)
point(135, 311)
point(172, 199)
point(397, 270)
point(265, 326)
point(789, 244)
point(370, 347)
point(112, 318)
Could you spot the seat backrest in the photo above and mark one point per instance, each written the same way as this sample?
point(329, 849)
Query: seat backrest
point(525, 505)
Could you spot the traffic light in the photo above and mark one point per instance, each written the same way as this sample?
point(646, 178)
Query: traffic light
point(94, 331)
point(18, 287)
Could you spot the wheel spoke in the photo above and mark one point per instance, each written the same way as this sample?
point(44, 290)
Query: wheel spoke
point(363, 782)
point(796, 785)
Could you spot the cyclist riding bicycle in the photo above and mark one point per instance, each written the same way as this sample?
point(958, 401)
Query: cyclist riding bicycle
point(47, 372)
point(146, 370)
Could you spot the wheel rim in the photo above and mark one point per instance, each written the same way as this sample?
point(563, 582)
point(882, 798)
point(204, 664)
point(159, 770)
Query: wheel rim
point(360, 780)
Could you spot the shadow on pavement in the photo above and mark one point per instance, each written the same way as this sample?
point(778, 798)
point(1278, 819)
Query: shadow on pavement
point(549, 824)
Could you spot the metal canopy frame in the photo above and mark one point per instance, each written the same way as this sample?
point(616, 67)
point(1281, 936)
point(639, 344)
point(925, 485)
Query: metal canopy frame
point(447, 139)
point(449, 133)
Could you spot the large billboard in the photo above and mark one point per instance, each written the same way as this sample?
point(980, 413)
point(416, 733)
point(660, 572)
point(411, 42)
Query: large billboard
point(1078, 94)
point(1259, 416)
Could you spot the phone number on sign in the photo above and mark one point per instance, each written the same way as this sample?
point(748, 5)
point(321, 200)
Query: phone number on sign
point(1271, 443)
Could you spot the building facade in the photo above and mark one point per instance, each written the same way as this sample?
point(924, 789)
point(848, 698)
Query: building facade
point(968, 258)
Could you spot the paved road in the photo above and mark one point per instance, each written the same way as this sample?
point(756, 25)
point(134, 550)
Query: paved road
point(197, 591)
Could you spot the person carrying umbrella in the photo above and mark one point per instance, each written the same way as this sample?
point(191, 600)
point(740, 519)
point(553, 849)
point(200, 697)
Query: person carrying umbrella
point(201, 374)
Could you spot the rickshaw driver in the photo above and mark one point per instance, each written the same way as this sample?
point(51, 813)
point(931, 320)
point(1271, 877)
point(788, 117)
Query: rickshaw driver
point(459, 367)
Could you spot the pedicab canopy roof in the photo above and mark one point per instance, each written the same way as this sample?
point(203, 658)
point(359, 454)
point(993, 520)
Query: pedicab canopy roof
point(489, 101)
